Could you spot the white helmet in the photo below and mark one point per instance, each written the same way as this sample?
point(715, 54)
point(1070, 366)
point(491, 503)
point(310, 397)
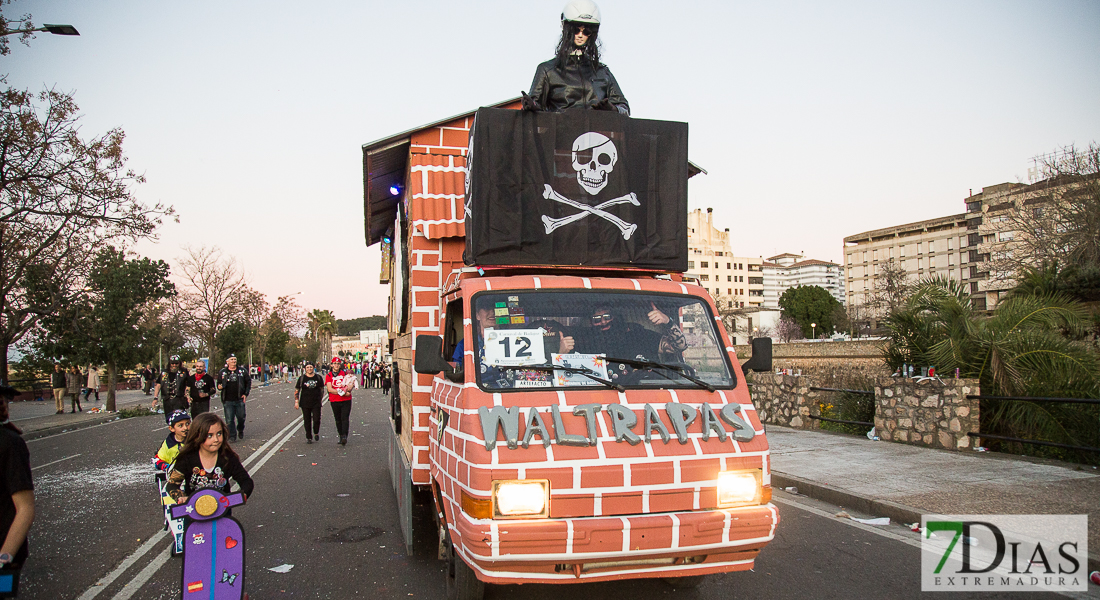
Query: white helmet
point(581, 11)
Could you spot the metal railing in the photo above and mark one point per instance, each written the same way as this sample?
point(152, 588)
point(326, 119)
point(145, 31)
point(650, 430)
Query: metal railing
point(1034, 399)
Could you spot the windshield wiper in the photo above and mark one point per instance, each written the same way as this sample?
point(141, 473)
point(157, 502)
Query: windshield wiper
point(583, 371)
point(651, 364)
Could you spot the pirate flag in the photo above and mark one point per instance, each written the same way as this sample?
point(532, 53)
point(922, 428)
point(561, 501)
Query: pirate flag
point(582, 187)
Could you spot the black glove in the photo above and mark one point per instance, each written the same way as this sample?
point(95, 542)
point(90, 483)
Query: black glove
point(605, 104)
point(528, 103)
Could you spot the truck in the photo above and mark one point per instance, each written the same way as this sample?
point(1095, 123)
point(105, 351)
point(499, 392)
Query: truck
point(567, 408)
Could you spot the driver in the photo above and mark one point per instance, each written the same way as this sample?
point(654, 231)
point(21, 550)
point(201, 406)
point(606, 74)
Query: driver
point(576, 77)
point(610, 335)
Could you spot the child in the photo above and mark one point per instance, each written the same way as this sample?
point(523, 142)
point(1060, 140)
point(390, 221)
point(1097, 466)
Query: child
point(178, 425)
point(206, 461)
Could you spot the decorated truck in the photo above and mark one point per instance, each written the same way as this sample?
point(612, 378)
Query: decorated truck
point(566, 407)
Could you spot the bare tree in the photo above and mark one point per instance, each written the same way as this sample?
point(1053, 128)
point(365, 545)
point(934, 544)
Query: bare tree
point(891, 288)
point(787, 328)
point(10, 26)
point(1055, 222)
point(213, 294)
point(62, 199)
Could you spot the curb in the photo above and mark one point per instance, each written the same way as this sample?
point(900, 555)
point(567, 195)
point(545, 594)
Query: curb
point(898, 513)
point(48, 431)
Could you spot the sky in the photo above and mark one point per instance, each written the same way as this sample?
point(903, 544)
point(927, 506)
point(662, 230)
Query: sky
point(814, 120)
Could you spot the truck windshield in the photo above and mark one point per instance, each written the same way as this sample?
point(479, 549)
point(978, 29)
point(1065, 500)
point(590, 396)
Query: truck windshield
point(597, 338)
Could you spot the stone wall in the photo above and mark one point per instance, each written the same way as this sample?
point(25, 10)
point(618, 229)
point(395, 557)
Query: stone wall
point(933, 412)
point(836, 361)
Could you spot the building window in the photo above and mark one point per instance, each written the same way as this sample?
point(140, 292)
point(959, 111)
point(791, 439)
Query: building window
point(729, 291)
point(691, 264)
point(704, 265)
point(729, 277)
point(950, 243)
point(729, 266)
point(718, 254)
point(704, 277)
point(1006, 236)
point(740, 266)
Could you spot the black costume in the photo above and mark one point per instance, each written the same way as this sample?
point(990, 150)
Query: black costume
point(576, 83)
point(310, 395)
point(197, 386)
point(15, 476)
point(173, 391)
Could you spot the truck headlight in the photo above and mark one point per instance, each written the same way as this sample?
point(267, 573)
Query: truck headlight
point(738, 488)
point(521, 498)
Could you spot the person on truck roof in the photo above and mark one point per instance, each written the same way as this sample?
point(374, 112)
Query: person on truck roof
point(610, 335)
point(575, 76)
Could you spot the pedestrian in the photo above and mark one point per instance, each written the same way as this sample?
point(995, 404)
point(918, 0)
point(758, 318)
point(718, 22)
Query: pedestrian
point(339, 384)
point(200, 386)
point(286, 374)
point(207, 460)
point(58, 384)
point(308, 393)
point(73, 388)
point(178, 425)
point(235, 384)
point(93, 383)
point(147, 377)
point(16, 488)
point(386, 383)
point(171, 388)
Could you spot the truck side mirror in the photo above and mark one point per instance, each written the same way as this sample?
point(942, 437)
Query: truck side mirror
point(761, 359)
point(429, 358)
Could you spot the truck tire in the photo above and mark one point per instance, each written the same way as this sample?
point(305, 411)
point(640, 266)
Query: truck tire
point(462, 584)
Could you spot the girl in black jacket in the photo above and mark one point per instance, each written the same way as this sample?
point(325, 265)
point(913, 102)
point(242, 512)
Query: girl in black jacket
point(206, 461)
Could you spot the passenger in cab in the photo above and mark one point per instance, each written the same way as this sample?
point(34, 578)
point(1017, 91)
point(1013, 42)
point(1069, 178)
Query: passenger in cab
point(608, 334)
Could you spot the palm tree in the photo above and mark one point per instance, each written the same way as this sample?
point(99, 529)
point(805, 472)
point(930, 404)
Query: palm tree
point(322, 326)
point(1029, 346)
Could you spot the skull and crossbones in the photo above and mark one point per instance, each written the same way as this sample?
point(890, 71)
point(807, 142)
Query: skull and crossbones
point(592, 175)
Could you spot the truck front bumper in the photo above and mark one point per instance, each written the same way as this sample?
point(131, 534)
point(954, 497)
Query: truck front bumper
point(607, 548)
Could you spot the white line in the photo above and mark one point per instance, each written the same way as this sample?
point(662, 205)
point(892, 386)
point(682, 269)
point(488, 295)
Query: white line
point(100, 585)
point(139, 580)
point(55, 462)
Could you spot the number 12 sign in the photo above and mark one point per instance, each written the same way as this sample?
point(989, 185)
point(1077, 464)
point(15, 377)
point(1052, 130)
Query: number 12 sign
point(514, 347)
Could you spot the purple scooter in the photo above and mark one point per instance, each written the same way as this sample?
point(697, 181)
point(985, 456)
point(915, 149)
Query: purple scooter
point(213, 547)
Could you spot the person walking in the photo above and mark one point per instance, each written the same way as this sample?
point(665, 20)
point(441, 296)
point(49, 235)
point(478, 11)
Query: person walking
point(147, 376)
point(58, 385)
point(308, 392)
point(73, 388)
point(339, 384)
point(386, 382)
point(16, 489)
point(200, 387)
point(93, 383)
point(170, 389)
point(234, 384)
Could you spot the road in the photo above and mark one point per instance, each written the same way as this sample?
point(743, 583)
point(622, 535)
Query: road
point(328, 510)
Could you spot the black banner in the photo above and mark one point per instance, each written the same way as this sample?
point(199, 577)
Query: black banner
point(583, 187)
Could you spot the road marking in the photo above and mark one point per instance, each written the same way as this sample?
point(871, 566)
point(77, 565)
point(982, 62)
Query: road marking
point(139, 580)
point(285, 434)
point(100, 585)
point(55, 462)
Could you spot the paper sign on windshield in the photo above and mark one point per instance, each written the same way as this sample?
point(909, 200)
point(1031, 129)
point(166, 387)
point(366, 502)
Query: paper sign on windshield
point(514, 347)
point(595, 363)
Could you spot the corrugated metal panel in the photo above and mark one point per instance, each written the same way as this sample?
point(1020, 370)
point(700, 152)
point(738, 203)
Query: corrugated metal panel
point(437, 187)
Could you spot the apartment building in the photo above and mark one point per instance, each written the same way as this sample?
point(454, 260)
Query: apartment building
point(787, 270)
point(936, 247)
point(711, 262)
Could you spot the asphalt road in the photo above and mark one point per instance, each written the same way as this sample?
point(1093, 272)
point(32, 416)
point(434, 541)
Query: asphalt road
point(329, 511)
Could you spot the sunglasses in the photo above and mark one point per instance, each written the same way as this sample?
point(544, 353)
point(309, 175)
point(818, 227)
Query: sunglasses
point(602, 318)
point(589, 30)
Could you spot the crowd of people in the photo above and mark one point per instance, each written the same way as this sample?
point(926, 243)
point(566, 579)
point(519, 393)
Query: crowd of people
point(72, 383)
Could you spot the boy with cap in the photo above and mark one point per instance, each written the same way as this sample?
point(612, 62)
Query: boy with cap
point(178, 424)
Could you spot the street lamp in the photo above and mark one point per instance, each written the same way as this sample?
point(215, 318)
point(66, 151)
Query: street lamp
point(813, 328)
point(54, 29)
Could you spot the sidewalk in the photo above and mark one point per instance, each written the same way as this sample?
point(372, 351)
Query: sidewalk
point(39, 419)
point(900, 481)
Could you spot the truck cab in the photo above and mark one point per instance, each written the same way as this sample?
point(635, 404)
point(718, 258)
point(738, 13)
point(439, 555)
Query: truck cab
point(571, 422)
